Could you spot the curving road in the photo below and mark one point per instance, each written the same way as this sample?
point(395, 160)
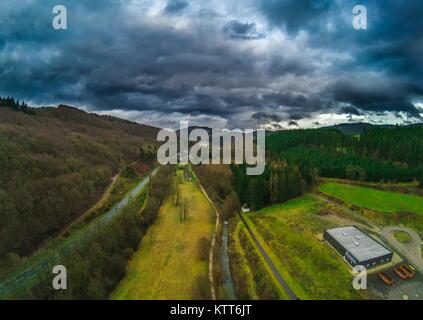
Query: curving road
point(409, 250)
point(32, 271)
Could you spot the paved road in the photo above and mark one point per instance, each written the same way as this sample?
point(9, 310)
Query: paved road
point(269, 262)
point(66, 248)
point(409, 250)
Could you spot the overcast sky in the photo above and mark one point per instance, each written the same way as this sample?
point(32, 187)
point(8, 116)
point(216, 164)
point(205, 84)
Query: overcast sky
point(221, 63)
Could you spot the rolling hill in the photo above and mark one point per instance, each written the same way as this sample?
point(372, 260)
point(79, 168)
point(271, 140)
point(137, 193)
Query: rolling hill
point(55, 163)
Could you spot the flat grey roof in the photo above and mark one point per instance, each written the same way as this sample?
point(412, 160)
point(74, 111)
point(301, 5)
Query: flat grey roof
point(358, 243)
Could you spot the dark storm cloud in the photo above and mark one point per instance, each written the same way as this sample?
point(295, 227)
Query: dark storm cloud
point(299, 105)
point(294, 14)
point(132, 72)
point(245, 31)
point(392, 46)
point(296, 116)
point(175, 6)
point(374, 96)
point(288, 99)
point(266, 116)
point(299, 59)
point(350, 111)
point(392, 42)
point(293, 123)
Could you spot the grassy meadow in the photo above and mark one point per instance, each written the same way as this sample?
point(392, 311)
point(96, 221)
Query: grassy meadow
point(292, 232)
point(172, 260)
point(381, 201)
point(383, 208)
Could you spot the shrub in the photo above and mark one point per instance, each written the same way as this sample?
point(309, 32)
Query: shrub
point(201, 289)
point(203, 248)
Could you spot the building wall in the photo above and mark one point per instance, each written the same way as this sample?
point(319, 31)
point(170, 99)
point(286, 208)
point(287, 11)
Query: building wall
point(351, 259)
point(377, 261)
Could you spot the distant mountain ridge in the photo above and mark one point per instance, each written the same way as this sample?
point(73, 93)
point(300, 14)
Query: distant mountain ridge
point(359, 127)
point(351, 128)
point(355, 128)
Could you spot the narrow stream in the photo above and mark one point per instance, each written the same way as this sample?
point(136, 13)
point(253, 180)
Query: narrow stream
point(224, 258)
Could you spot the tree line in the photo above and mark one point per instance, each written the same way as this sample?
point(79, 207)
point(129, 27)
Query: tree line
point(279, 182)
point(218, 181)
point(10, 102)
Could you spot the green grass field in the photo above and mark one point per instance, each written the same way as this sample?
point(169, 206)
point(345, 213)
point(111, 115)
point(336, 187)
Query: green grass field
point(292, 232)
point(168, 264)
point(381, 201)
point(402, 236)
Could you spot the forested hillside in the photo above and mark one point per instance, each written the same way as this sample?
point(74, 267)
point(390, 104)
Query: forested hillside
point(379, 154)
point(55, 163)
point(296, 158)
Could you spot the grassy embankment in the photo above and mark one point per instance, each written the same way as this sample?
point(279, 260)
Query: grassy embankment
point(252, 277)
point(291, 234)
point(242, 272)
point(171, 262)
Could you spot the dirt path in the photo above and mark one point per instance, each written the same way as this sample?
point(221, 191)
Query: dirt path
point(363, 221)
point(213, 243)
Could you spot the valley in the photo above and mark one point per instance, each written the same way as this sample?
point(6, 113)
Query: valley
point(96, 201)
point(172, 260)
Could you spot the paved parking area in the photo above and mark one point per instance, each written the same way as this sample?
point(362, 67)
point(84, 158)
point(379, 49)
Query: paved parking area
point(411, 289)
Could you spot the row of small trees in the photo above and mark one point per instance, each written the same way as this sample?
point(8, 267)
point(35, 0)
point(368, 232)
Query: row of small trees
point(10, 102)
